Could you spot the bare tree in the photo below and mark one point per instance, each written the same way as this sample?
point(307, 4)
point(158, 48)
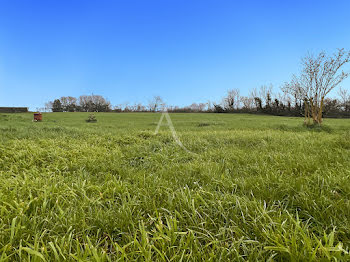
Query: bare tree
point(265, 93)
point(210, 105)
point(84, 103)
point(137, 107)
point(344, 99)
point(247, 101)
point(94, 103)
point(319, 76)
point(64, 103)
point(201, 107)
point(232, 99)
point(197, 107)
point(253, 94)
point(155, 104)
point(68, 103)
point(48, 106)
point(100, 104)
point(284, 98)
point(72, 104)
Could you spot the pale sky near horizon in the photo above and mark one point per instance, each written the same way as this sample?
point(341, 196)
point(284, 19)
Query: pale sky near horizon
point(183, 50)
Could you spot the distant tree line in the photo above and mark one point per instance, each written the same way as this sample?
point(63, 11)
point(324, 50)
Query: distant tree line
point(97, 103)
point(305, 95)
point(259, 101)
point(85, 103)
point(265, 101)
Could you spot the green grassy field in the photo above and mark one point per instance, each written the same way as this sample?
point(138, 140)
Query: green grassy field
point(255, 188)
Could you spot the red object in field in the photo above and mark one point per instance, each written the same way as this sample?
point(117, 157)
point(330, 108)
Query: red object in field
point(38, 117)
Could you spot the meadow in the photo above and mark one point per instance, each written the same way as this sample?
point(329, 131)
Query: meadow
point(256, 188)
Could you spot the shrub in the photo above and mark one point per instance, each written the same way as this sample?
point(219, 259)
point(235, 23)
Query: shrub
point(91, 118)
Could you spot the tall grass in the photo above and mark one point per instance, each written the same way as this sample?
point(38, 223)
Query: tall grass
point(258, 188)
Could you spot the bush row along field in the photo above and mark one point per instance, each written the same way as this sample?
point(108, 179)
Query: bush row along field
point(256, 188)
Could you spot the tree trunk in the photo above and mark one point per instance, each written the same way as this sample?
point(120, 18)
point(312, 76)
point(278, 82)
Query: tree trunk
point(316, 111)
point(307, 112)
point(313, 111)
point(320, 110)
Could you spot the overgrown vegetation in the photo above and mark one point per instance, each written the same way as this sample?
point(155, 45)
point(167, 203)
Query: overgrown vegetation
point(258, 188)
point(91, 118)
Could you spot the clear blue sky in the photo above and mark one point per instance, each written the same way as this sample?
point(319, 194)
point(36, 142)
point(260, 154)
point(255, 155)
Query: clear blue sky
point(183, 50)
